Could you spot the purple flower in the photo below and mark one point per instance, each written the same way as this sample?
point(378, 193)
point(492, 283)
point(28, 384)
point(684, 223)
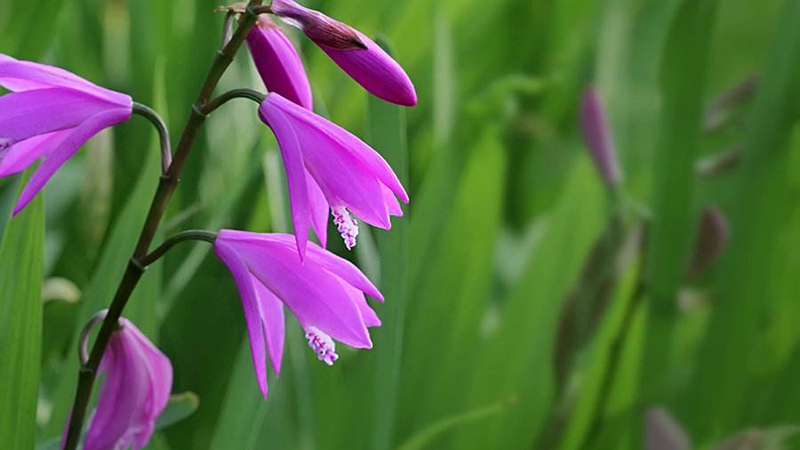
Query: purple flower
point(362, 59)
point(278, 62)
point(329, 168)
point(326, 294)
point(49, 115)
point(135, 391)
point(597, 135)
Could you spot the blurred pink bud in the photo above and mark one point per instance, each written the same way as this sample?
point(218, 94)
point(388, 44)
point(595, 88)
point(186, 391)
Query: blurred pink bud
point(663, 432)
point(360, 57)
point(278, 63)
point(135, 391)
point(712, 237)
point(597, 135)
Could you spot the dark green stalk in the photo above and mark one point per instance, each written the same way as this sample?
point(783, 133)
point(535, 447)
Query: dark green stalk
point(191, 235)
point(166, 188)
point(163, 133)
point(249, 94)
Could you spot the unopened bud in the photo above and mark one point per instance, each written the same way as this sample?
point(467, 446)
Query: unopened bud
point(597, 136)
point(712, 237)
point(663, 432)
point(318, 27)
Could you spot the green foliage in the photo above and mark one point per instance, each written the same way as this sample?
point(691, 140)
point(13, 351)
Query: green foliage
point(481, 274)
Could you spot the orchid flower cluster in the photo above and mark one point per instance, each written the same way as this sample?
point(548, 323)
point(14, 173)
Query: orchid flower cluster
point(50, 113)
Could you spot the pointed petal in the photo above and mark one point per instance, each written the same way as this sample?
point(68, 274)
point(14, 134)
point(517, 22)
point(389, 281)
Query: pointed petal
point(343, 141)
point(21, 76)
point(392, 205)
point(319, 210)
point(273, 321)
point(24, 153)
point(68, 146)
point(367, 313)
point(278, 63)
point(250, 304)
point(314, 295)
point(291, 151)
point(30, 113)
point(318, 256)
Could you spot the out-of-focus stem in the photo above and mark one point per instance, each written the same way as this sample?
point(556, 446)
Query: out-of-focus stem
point(166, 188)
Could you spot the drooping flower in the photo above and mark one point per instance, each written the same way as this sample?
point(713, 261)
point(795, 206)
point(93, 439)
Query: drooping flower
point(360, 57)
point(278, 63)
point(597, 135)
point(325, 294)
point(329, 168)
point(137, 385)
point(50, 114)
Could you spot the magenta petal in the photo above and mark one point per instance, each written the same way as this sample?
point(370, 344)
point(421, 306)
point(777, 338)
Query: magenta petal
point(319, 210)
point(334, 264)
point(392, 205)
point(24, 153)
point(136, 390)
point(250, 304)
point(367, 313)
point(272, 319)
point(30, 113)
point(68, 146)
point(278, 63)
point(597, 134)
point(292, 153)
point(376, 71)
point(24, 75)
point(314, 295)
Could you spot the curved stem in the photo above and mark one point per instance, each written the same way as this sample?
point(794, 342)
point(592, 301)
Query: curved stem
point(263, 9)
point(191, 235)
point(83, 353)
point(163, 132)
point(166, 188)
point(249, 94)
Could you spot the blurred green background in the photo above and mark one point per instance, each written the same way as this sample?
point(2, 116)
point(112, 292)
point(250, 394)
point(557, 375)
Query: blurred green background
point(526, 307)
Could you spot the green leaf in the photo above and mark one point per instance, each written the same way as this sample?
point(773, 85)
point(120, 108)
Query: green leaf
point(749, 273)
point(425, 437)
point(389, 135)
point(21, 324)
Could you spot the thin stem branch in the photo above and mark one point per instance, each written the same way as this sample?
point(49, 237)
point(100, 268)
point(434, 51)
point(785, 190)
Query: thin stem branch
point(83, 352)
point(227, 27)
point(166, 188)
point(249, 94)
point(163, 132)
point(191, 235)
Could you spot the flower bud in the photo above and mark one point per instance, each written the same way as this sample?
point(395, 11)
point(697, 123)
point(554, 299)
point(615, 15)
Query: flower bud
point(359, 56)
point(663, 432)
point(597, 135)
point(712, 237)
point(278, 63)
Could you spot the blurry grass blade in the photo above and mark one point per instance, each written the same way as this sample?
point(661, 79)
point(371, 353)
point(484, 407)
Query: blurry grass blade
point(21, 324)
point(425, 437)
point(388, 134)
point(749, 278)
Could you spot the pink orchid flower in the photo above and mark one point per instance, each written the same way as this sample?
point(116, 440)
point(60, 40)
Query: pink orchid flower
point(278, 63)
point(135, 391)
point(50, 114)
point(356, 54)
point(597, 135)
point(325, 294)
point(327, 168)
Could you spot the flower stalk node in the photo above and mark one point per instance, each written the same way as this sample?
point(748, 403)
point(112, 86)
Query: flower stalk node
point(137, 265)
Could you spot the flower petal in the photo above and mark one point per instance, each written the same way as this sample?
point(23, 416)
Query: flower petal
point(331, 262)
point(315, 296)
point(272, 319)
point(250, 305)
point(291, 150)
point(24, 153)
point(66, 148)
point(319, 210)
point(30, 113)
point(278, 63)
point(21, 76)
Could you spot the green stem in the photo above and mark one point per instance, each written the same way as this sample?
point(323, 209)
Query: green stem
point(166, 188)
point(191, 235)
point(163, 132)
point(249, 94)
